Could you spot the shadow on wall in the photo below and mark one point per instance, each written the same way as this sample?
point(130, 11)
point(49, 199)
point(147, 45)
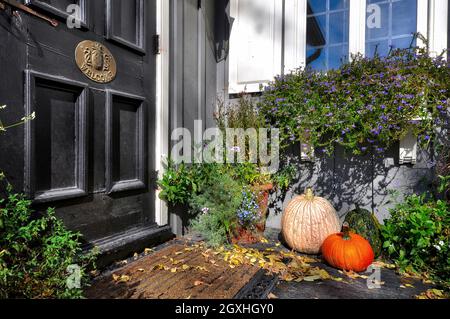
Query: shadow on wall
point(375, 181)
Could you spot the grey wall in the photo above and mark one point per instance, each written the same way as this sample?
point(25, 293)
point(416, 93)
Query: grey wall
point(374, 182)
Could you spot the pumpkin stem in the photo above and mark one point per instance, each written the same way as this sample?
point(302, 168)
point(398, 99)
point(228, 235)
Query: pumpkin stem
point(309, 194)
point(346, 231)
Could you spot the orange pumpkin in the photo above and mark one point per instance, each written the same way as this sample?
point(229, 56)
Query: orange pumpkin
point(347, 251)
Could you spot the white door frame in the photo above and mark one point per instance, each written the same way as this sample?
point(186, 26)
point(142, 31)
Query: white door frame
point(162, 103)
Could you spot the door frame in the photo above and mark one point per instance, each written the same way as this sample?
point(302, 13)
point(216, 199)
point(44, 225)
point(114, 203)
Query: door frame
point(162, 103)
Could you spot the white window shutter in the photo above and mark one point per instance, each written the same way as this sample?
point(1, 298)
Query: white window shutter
point(295, 34)
point(256, 40)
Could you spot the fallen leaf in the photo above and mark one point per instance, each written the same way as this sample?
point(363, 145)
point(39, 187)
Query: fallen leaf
point(264, 241)
point(121, 278)
point(141, 269)
point(185, 267)
point(178, 253)
point(312, 278)
point(198, 283)
point(272, 296)
point(148, 251)
point(201, 268)
point(174, 269)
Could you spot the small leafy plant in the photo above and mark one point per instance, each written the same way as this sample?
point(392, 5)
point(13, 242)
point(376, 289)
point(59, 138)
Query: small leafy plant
point(215, 209)
point(177, 184)
point(37, 253)
point(417, 237)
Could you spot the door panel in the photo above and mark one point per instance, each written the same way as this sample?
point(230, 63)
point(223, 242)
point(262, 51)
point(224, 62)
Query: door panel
point(87, 152)
point(126, 142)
point(125, 23)
point(55, 149)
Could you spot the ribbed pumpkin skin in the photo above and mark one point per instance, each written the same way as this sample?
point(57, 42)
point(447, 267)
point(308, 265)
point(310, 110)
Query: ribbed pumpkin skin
point(307, 221)
point(354, 253)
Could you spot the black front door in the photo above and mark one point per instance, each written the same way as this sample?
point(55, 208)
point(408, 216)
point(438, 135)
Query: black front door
point(89, 152)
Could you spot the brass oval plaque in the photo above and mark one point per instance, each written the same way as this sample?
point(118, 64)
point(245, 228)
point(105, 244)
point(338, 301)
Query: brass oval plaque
point(96, 61)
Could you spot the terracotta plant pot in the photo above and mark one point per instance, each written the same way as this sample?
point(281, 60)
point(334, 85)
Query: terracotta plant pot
point(263, 192)
point(243, 235)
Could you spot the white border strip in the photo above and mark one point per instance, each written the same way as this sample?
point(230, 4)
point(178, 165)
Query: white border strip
point(357, 28)
point(162, 103)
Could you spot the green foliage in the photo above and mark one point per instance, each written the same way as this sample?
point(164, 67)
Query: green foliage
point(243, 114)
point(177, 184)
point(284, 177)
point(23, 120)
point(366, 105)
point(36, 251)
point(417, 237)
point(216, 208)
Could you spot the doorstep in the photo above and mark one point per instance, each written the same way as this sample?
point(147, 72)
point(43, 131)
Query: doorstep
point(123, 245)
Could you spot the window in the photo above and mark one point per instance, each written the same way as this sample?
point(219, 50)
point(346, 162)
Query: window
point(274, 37)
point(327, 33)
point(390, 24)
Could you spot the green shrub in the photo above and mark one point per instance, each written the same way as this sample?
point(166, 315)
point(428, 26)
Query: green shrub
point(417, 237)
point(36, 252)
point(216, 208)
point(177, 184)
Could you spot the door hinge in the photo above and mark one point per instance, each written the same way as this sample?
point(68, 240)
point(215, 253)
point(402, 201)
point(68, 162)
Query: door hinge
point(157, 44)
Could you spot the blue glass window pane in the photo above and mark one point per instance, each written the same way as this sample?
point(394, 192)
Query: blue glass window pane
point(380, 47)
point(337, 4)
point(404, 17)
point(327, 33)
point(320, 62)
point(375, 32)
point(396, 25)
point(401, 43)
point(318, 6)
point(336, 56)
point(338, 28)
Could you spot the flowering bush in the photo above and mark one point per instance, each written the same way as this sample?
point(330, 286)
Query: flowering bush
point(247, 214)
point(366, 104)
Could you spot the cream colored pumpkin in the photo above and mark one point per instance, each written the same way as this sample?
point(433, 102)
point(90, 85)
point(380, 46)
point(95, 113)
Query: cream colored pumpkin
point(307, 221)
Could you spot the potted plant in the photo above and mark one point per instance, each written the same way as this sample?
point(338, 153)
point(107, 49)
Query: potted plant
point(176, 187)
point(248, 218)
